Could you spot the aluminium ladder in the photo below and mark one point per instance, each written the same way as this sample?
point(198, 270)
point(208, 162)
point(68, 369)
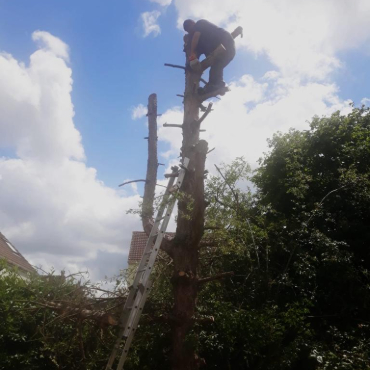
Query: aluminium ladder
point(139, 289)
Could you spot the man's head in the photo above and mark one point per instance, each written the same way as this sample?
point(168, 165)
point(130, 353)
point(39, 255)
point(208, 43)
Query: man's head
point(189, 25)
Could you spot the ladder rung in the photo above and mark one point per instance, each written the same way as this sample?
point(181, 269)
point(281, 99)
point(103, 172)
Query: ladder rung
point(131, 307)
point(139, 291)
point(138, 286)
point(173, 189)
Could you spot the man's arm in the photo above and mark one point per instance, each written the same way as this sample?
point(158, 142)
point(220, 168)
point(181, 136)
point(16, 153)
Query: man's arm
point(194, 44)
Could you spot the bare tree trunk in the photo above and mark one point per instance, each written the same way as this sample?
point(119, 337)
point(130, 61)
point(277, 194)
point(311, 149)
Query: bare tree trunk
point(184, 248)
point(190, 228)
point(190, 225)
point(151, 171)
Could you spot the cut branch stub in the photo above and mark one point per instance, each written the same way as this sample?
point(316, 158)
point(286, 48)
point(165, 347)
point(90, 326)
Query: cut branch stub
point(238, 31)
point(129, 182)
point(174, 66)
point(202, 107)
point(206, 113)
point(171, 125)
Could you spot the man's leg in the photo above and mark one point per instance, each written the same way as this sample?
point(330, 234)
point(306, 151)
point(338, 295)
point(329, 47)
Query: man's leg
point(216, 73)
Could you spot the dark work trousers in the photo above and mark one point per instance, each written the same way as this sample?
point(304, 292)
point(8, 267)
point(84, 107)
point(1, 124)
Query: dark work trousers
point(216, 73)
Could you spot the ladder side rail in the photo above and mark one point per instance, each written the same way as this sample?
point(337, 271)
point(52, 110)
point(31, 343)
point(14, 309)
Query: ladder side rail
point(133, 315)
point(138, 301)
point(146, 275)
point(144, 260)
point(130, 298)
point(131, 335)
point(148, 246)
point(152, 235)
point(170, 206)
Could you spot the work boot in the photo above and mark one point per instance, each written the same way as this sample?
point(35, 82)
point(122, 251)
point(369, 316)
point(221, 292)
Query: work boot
point(210, 88)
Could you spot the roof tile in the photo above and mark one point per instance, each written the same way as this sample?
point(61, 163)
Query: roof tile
point(138, 243)
point(14, 258)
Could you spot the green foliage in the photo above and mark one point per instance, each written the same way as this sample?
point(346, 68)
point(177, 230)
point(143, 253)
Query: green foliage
point(314, 188)
point(36, 336)
point(297, 244)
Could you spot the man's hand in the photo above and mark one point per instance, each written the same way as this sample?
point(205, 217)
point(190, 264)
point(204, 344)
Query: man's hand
point(193, 56)
point(194, 44)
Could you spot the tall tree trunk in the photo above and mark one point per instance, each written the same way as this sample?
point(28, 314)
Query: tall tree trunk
point(184, 248)
point(190, 228)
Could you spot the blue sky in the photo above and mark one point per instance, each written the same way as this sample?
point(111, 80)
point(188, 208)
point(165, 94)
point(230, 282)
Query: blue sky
point(114, 68)
point(296, 60)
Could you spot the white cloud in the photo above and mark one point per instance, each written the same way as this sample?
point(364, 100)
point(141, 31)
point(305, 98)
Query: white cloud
point(271, 75)
point(35, 101)
point(149, 23)
point(251, 112)
point(51, 43)
point(162, 2)
point(52, 206)
point(301, 38)
point(170, 134)
point(138, 112)
point(365, 101)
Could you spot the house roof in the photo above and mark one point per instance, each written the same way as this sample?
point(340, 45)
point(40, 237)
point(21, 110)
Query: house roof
point(138, 243)
point(12, 255)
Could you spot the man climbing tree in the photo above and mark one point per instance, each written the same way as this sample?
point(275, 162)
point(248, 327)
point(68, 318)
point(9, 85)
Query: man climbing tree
point(204, 37)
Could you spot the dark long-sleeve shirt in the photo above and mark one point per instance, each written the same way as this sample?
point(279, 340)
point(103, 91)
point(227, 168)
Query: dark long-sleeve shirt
point(211, 37)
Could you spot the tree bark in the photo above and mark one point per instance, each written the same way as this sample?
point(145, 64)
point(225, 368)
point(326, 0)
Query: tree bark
point(190, 228)
point(152, 166)
point(151, 173)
